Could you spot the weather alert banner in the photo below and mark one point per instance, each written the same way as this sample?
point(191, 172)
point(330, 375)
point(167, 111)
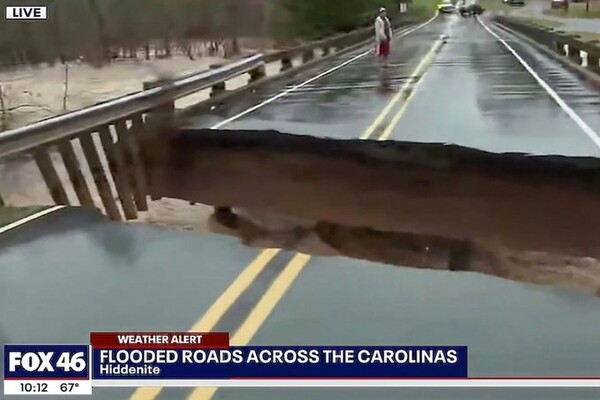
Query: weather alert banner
point(185, 356)
point(114, 359)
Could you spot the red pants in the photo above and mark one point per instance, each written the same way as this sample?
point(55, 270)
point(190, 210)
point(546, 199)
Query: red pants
point(383, 49)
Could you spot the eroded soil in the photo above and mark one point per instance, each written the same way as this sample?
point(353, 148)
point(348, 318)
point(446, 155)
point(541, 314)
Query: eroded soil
point(531, 219)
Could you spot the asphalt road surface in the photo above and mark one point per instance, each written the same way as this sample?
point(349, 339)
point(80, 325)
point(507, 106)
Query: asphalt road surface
point(73, 271)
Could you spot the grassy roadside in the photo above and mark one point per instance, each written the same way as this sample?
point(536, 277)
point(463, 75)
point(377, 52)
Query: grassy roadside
point(584, 36)
point(424, 7)
point(539, 21)
point(495, 5)
point(587, 36)
point(577, 10)
point(12, 214)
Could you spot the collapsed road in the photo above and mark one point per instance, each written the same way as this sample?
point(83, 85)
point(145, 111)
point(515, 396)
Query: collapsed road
point(430, 205)
point(409, 204)
point(471, 92)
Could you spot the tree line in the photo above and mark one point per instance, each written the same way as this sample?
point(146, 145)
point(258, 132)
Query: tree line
point(319, 18)
point(100, 30)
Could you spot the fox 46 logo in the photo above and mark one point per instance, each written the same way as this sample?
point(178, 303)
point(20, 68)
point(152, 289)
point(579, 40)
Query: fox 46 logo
point(46, 361)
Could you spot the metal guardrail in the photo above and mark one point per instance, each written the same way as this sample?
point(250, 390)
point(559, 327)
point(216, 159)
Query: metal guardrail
point(101, 142)
point(327, 43)
point(69, 124)
point(560, 42)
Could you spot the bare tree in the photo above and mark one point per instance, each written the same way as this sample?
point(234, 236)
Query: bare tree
point(101, 25)
point(101, 29)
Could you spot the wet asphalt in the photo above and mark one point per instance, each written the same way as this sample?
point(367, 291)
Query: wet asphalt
point(339, 105)
point(474, 93)
point(73, 272)
point(477, 94)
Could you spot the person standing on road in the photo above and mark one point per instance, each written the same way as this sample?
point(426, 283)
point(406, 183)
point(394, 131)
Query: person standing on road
point(383, 35)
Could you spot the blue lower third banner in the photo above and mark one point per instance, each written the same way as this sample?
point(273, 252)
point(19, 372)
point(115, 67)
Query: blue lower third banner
point(297, 362)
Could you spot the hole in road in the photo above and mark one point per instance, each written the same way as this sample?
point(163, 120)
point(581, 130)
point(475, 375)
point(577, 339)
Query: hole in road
point(419, 205)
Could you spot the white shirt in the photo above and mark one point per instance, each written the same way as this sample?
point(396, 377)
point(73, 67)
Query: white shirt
point(380, 29)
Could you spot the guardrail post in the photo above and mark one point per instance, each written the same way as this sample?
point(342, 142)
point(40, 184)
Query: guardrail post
point(128, 138)
point(219, 87)
point(116, 164)
point(559, 47)
point(308, 55)
point(286, 63)
point(55, 187)
point(163, 117)
point(166, 111)
point(257, 74)
point(93, 159)
point(75, 175)
point(160, 122)
point(574, 54)
point(593, 62)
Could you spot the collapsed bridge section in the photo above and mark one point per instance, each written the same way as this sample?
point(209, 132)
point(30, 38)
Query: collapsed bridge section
point(426, 205)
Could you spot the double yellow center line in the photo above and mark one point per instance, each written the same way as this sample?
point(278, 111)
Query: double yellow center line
point(288, 275)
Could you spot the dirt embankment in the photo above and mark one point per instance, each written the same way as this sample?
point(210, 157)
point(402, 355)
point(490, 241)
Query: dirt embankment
point(428, 206)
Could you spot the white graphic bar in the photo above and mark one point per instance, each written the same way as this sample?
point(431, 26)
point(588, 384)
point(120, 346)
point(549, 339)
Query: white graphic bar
point(47, 387)
point(374, 383)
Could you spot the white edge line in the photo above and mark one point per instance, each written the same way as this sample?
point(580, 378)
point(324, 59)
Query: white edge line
point(29, 218)
point(561, 103)
point(314, 78)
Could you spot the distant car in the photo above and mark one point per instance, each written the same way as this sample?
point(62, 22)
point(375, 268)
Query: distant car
point(446, 7)
point(558, 4)
point(516, 3)
point(471, 10)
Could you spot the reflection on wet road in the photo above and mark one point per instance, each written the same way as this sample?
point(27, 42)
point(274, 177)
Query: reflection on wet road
point(477, 94)
point(80, 273)
point(341, 104)
point(511, 329)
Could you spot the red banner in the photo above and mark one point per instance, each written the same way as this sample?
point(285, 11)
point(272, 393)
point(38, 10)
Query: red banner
point(159, 340)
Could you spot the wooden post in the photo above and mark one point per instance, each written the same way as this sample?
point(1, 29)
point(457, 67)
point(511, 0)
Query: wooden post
point(73, 169)
point(593, 62)
point(286, 63)
point(574, 54)
point(308, 55)
point(160, 122)
point(127, 139)
point(257, 74)
point(55, 187)
point(219, 87)
point(559, 47)
point(165, 114)
point(93, 160)
point(118, 169)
